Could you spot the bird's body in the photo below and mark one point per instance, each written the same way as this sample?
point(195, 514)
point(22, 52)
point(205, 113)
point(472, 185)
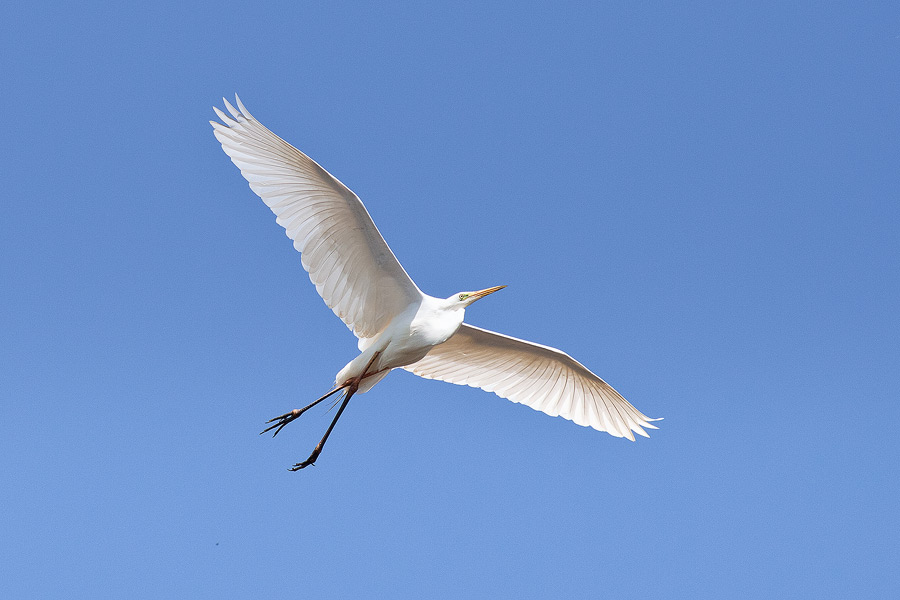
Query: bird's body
point(406, 340)
point(397, 325)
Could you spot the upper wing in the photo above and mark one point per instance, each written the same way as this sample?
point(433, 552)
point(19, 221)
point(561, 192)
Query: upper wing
point(348, 261)
point(544, 378)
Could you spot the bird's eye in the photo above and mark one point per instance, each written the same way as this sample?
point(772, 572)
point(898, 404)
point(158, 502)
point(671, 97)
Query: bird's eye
point(463, 296)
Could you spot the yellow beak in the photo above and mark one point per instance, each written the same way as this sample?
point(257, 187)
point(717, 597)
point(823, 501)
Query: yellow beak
point(482, 293)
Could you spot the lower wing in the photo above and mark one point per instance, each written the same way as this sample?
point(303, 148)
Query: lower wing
point(544, 378)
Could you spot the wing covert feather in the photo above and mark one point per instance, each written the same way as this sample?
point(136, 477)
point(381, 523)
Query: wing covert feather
point(348, 260)
point(544, 378)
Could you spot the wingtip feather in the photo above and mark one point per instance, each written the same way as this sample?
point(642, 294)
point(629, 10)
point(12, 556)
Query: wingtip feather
point(241, 107)
point(234, 112)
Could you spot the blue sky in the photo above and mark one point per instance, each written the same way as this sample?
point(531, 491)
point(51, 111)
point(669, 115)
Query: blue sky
point(697, 200)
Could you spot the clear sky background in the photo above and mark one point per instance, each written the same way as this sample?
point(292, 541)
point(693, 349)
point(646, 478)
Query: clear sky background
point(698, 200)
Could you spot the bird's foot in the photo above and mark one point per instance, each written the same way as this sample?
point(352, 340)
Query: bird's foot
point(280, 421)
point(309, 461)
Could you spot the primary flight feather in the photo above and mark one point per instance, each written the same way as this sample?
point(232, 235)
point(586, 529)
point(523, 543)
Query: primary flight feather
point(396, 324)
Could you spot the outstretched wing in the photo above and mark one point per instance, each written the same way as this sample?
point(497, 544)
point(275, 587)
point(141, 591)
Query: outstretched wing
point(349, 262)
point(541, 377)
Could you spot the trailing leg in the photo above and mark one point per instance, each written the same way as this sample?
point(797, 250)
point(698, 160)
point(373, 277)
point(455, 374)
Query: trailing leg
point(318, 449)
point(280, 422)
point(350, 388)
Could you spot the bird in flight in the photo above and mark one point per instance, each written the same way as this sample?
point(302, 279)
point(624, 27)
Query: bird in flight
point(398, 325)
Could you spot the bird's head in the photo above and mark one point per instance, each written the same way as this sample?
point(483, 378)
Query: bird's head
point(464, 299)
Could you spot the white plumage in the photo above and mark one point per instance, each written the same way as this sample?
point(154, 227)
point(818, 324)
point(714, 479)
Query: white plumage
point(544, 378)
point(348, 261)
point(361, 280)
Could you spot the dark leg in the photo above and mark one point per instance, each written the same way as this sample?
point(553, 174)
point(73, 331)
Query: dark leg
point(315, 453)
point(290, 416)
point(350, 388)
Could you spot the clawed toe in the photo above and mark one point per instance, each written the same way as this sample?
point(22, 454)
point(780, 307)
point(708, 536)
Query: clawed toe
point(280, 422)
point(284, 416)
point(302, 465)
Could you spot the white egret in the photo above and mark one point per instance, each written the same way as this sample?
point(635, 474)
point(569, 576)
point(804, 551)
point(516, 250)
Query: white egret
point(397, 325)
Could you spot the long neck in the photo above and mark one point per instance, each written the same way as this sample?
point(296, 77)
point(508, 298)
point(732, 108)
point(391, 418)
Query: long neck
point(438, 319)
